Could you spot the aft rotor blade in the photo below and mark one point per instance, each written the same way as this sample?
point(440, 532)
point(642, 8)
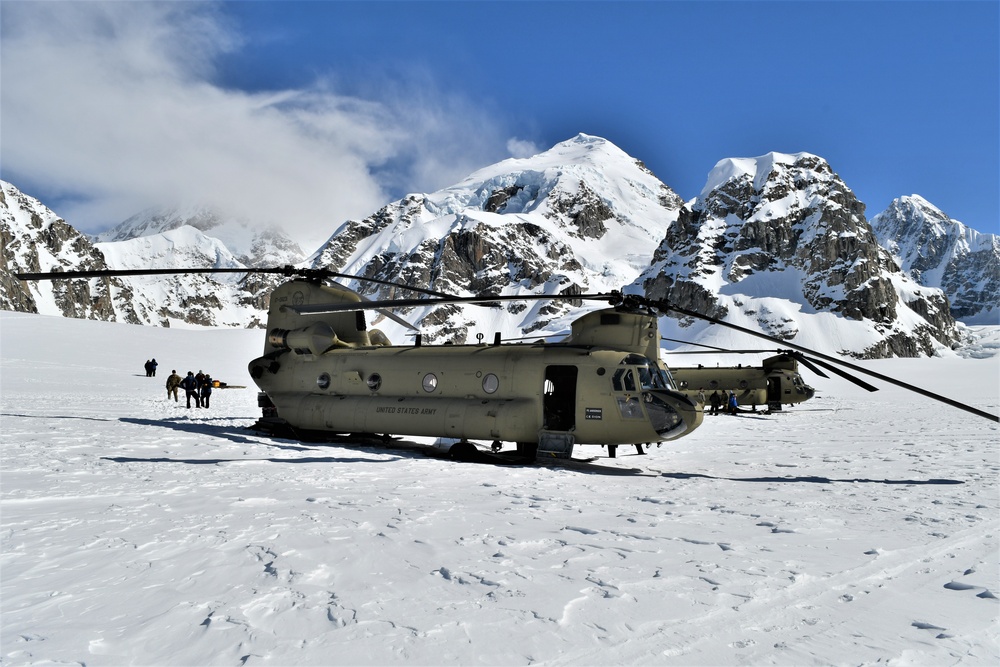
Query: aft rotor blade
point(666, 307)
point(393, 316)
point(686, 342)
point(480, 299)
point(808, 363)
point(719, 350)
point(798, 356)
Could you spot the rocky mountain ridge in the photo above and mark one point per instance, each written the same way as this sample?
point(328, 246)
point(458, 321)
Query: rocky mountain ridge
point(786, 227)
point(777, 242)
point(581, 217)
point(35, 239)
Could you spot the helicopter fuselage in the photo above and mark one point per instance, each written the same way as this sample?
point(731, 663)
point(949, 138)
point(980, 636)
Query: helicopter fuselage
point(603, 385)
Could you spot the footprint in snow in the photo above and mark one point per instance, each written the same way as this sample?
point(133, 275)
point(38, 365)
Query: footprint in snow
point(941, 633)
point(984, 593)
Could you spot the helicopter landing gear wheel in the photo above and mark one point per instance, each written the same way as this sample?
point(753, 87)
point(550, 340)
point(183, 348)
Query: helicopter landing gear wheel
point(463, 451)
point(527, 449)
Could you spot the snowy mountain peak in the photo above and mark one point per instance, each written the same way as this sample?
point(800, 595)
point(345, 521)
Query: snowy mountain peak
point(780, 243)
point(581, 216)
point(761, 171)
point(581, 149)
point(252, 244)
point(915, 217)
point(937, 251)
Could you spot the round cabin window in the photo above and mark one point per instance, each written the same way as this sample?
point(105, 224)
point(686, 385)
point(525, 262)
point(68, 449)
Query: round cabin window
point(491, 383)
point(323, 381)
point(430, 382)
point(374, 381)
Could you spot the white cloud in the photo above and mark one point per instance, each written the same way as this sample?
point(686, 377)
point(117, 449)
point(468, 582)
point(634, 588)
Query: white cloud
point(112, 104)
point(522, 148)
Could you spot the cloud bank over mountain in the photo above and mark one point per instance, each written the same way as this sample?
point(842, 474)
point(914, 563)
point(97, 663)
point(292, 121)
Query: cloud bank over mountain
point(120, 104)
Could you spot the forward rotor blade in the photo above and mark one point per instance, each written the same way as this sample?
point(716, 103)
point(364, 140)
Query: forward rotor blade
point(816, 356)
point(104, 273)
point(287, 271)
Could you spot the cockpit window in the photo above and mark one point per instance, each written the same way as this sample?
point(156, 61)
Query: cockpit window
point(623, 380)
point(634, 360)
point(650, 375)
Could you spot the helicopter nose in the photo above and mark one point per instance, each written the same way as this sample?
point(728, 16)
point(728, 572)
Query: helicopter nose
point(672, 414)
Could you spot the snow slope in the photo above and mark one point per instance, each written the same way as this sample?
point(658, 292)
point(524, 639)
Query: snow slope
point(857, 529)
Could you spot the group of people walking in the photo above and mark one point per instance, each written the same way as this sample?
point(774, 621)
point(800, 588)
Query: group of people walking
point(724, 401)
point(199, 387)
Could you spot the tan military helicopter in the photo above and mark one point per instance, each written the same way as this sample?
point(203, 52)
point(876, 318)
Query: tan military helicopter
point(604, 384)
point(323, 373)
point(774, 383)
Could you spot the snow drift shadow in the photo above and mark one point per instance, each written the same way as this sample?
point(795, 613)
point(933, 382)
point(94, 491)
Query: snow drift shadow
point(231, 433)
point(810, 479)
point(92, 419)
point(270, 459)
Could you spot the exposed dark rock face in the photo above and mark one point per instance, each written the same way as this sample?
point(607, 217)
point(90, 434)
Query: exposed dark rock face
point(789, 222)
point(34, 239)
point(499, 198)
point(586, 211)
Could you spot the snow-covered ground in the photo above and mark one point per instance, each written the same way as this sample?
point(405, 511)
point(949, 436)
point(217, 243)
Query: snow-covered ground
point(857, 528)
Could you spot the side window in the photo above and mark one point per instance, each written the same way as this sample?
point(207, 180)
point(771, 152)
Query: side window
point(629, 381)
point(623, 380)
point(629, 407)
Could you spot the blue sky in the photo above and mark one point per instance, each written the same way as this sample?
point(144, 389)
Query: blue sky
point(319, 111)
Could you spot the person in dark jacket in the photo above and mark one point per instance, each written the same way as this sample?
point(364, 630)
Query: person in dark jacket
point(191, 389)
point(716, 400)
point(206, 390)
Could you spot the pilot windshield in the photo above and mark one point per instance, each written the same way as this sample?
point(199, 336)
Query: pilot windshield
point(650, 376)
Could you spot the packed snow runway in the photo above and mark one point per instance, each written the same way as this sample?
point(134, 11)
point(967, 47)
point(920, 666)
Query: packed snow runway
point(854, 529)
